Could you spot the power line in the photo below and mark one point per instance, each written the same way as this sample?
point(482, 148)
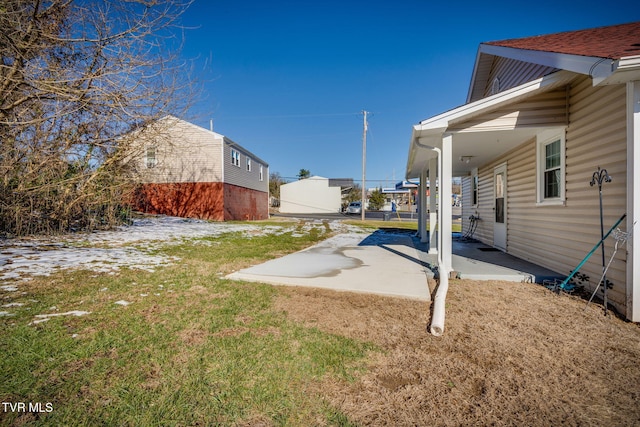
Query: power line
point(291, 116)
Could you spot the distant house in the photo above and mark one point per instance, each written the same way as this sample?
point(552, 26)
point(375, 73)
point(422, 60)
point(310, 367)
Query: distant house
point(311, 195)
point(542, 114)
point(401, 196)
point(189, 171)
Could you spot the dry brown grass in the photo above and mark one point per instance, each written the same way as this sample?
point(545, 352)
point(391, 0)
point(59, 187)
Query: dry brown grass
point(511, 354)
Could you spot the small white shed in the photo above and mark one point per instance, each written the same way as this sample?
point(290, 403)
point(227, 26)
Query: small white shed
point(310, 195)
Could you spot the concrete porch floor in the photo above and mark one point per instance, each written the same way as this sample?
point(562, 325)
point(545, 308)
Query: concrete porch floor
point(474, 260)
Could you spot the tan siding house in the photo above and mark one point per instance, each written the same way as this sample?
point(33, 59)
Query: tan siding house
point(189, 171)
point(543, 114)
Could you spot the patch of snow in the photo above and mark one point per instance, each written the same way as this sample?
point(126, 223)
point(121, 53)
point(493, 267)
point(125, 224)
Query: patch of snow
point(122, 302)
point(45, 317)
point(9, 288)
point(13, 304)
point(77, 313)
point(126, 247)
point(6, 314)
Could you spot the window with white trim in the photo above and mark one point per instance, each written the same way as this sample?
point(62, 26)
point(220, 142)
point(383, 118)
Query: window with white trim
point(235, 157)
point(551, 167)
point(151, 157)
point(261, 174)
point(248, 164)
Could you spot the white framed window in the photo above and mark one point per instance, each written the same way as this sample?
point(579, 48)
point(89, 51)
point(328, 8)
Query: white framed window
point(474, 187)
point(261, 173)
point(550, 146)
point(151, 157)
point(248, 164)
point(235, 157)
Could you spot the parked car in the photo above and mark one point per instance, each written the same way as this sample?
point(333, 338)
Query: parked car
point(354, 208)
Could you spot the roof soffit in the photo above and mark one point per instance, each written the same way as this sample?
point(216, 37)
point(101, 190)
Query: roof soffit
point(595, 67)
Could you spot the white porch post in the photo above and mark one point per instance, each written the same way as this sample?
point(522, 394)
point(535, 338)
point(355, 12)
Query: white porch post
point(422, 199)
point(419, 230)
point(633, 200)
point(446, 175)
point(433, 212)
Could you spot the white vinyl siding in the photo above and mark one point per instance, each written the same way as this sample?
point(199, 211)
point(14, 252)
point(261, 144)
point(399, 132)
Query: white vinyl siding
point(508, 72)
point(183, 153)
point(558, 236)
point(546, 109)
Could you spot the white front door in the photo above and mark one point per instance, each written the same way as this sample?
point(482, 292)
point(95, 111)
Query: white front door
point(500, 207)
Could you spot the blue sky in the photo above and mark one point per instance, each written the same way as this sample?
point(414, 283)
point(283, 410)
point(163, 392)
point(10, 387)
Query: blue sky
point(288, 80)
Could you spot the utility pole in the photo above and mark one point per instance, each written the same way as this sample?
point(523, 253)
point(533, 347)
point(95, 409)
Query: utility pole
point(364, 164)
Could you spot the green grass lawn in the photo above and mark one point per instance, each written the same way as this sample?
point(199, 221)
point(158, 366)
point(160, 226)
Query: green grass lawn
point(190, 348)
point(456, 227)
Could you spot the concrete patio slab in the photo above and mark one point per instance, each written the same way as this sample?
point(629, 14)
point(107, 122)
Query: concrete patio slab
point(384, 263)
point(388, 262)
point(477, 261)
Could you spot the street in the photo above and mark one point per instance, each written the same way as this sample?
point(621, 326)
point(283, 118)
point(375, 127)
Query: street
point(369, 215)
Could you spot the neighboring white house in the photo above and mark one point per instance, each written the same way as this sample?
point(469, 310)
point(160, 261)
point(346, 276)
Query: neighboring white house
point(310, 195)
point(542, 115)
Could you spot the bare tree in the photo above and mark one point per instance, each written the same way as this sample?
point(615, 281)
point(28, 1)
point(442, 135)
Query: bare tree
point(75, 78)
point(275, 181)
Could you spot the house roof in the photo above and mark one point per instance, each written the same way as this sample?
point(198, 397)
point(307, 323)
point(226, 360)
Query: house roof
point(609, 55)
point(613, 42)
point(340, 182)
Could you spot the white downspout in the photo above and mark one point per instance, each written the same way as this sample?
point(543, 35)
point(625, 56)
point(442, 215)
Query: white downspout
point(437, 319)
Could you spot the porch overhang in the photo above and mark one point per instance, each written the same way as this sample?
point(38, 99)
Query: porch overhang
point(484, 129)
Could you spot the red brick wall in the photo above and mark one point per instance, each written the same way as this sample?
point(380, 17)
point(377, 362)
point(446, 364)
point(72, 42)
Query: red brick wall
point(244, 204)
point(203, 200)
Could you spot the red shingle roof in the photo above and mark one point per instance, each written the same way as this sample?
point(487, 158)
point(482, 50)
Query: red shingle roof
point(612, 42)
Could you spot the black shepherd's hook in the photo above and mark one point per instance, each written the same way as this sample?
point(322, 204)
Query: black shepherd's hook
point(600, 176)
